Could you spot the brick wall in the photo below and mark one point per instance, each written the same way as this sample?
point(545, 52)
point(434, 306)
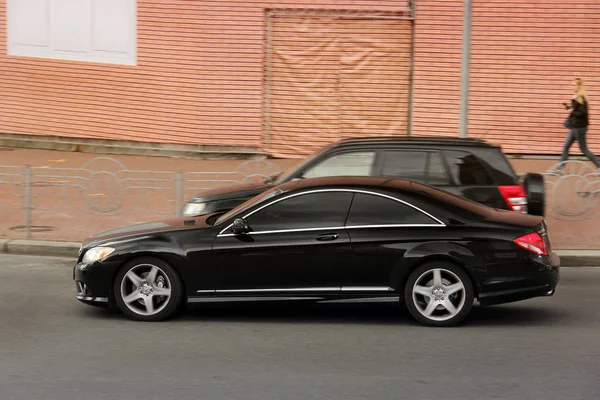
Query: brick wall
point(524, 56)
point(199, 78)
point(200, 74)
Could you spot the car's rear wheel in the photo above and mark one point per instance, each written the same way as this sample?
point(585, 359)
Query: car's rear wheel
point(148, 289)
point(439, 294)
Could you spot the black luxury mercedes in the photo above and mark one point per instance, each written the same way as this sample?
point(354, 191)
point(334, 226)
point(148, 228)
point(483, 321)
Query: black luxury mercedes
point(326, 239)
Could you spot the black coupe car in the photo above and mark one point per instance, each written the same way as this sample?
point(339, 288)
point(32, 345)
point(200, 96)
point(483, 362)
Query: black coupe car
point(326, 239)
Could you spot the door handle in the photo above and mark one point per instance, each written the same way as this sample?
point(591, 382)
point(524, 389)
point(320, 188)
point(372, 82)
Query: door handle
point(327, 237)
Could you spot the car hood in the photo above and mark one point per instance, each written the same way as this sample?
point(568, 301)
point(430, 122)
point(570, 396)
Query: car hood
point(148, 228)
point(231, 191)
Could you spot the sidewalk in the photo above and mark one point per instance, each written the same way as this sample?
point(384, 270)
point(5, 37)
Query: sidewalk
point(60, 214)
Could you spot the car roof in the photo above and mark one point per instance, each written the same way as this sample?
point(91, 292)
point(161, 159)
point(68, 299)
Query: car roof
point(414, 141)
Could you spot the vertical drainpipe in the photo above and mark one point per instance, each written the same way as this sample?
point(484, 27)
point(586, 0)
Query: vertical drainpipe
point(465, 65)
point(268, 77)
point(411, 95)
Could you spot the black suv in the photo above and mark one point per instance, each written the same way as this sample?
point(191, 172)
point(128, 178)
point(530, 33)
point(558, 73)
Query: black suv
point(470, 168)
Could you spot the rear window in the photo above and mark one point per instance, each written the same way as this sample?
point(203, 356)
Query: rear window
point(467, 169)
point(498, 166)
point(369, 209)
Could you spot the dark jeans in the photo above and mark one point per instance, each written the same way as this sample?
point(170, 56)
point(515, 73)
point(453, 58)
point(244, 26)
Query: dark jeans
point(579, 135)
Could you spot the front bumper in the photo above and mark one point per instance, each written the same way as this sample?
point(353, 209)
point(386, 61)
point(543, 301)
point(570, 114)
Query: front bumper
point(85, 296)
point(93, 283)
point(537, 278)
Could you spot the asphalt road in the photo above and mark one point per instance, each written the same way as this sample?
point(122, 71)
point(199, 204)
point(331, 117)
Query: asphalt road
point(53, 347)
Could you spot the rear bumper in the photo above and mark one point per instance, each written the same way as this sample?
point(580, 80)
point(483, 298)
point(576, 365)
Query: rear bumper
point(539, 278)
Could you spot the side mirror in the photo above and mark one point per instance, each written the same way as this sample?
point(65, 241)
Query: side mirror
point(536, 194)
point(240, 226)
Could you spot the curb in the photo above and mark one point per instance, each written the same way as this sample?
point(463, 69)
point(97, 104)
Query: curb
point(126, 147)
point(568, 258)
point(39, 248)
point(579, 258)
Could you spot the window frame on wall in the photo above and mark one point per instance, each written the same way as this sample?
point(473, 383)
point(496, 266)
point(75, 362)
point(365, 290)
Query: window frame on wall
point(96, 27)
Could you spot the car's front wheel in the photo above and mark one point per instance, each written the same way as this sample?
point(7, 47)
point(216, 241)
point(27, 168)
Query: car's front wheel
point(439, 294)
point(148, 289)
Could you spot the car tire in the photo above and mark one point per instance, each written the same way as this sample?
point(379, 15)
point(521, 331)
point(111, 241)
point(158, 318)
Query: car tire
point(445, 284)
point(536, 194)
point(148, 289)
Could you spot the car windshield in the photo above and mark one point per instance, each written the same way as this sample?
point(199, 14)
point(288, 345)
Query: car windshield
point(248, 204)
point(299, 166)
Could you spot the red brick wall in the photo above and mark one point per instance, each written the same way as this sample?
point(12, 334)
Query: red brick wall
point(199, 78)
point(200, 74)
point(524, 57)
point(437, 52)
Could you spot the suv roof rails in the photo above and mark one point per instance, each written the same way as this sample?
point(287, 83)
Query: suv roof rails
point(421, 139)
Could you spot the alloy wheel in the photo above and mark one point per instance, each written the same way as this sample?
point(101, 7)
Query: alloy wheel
point(439, 294)
point(146, 289)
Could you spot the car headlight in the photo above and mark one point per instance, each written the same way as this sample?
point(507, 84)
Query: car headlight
point(96, 253)
point(191, 209)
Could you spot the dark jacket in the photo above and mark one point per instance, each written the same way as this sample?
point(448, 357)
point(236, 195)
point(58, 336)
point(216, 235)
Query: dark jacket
point(579, 114)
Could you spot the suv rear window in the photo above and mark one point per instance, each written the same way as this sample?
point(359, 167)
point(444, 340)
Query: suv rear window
point(467, 169)
point(420, 166)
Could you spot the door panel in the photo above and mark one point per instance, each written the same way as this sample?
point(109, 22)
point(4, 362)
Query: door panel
point(296, 242)
point(282, 260)
point(336, 77)
point(378, 253)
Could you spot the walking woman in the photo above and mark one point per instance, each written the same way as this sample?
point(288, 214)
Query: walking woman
point(577, 123)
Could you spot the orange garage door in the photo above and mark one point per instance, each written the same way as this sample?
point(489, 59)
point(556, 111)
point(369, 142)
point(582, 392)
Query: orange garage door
point(330, 76)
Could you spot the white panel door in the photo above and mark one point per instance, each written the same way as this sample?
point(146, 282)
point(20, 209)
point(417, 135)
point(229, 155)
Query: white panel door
point(71, 25)
point(111, 25)
point(28, 23)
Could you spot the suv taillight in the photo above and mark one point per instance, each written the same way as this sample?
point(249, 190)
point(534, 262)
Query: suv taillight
point(515, 197)
point(532, 242)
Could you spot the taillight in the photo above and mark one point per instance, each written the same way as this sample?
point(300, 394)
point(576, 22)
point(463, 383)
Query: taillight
point(532, 242)
point(515, 197)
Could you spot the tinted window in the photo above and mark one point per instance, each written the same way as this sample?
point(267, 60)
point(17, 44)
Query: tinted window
point(497, 164)
point(249, 204)
point(467, 169)
point(348, 164)
point(420, 166)
point(314, 210)
point(369, 209)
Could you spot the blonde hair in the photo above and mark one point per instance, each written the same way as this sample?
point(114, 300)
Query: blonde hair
point(581, 92)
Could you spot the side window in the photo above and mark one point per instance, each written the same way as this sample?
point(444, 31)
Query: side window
point(312, 210)
point(466, 169)
point(368, 209)
point(349, 164)
point(421, 166)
